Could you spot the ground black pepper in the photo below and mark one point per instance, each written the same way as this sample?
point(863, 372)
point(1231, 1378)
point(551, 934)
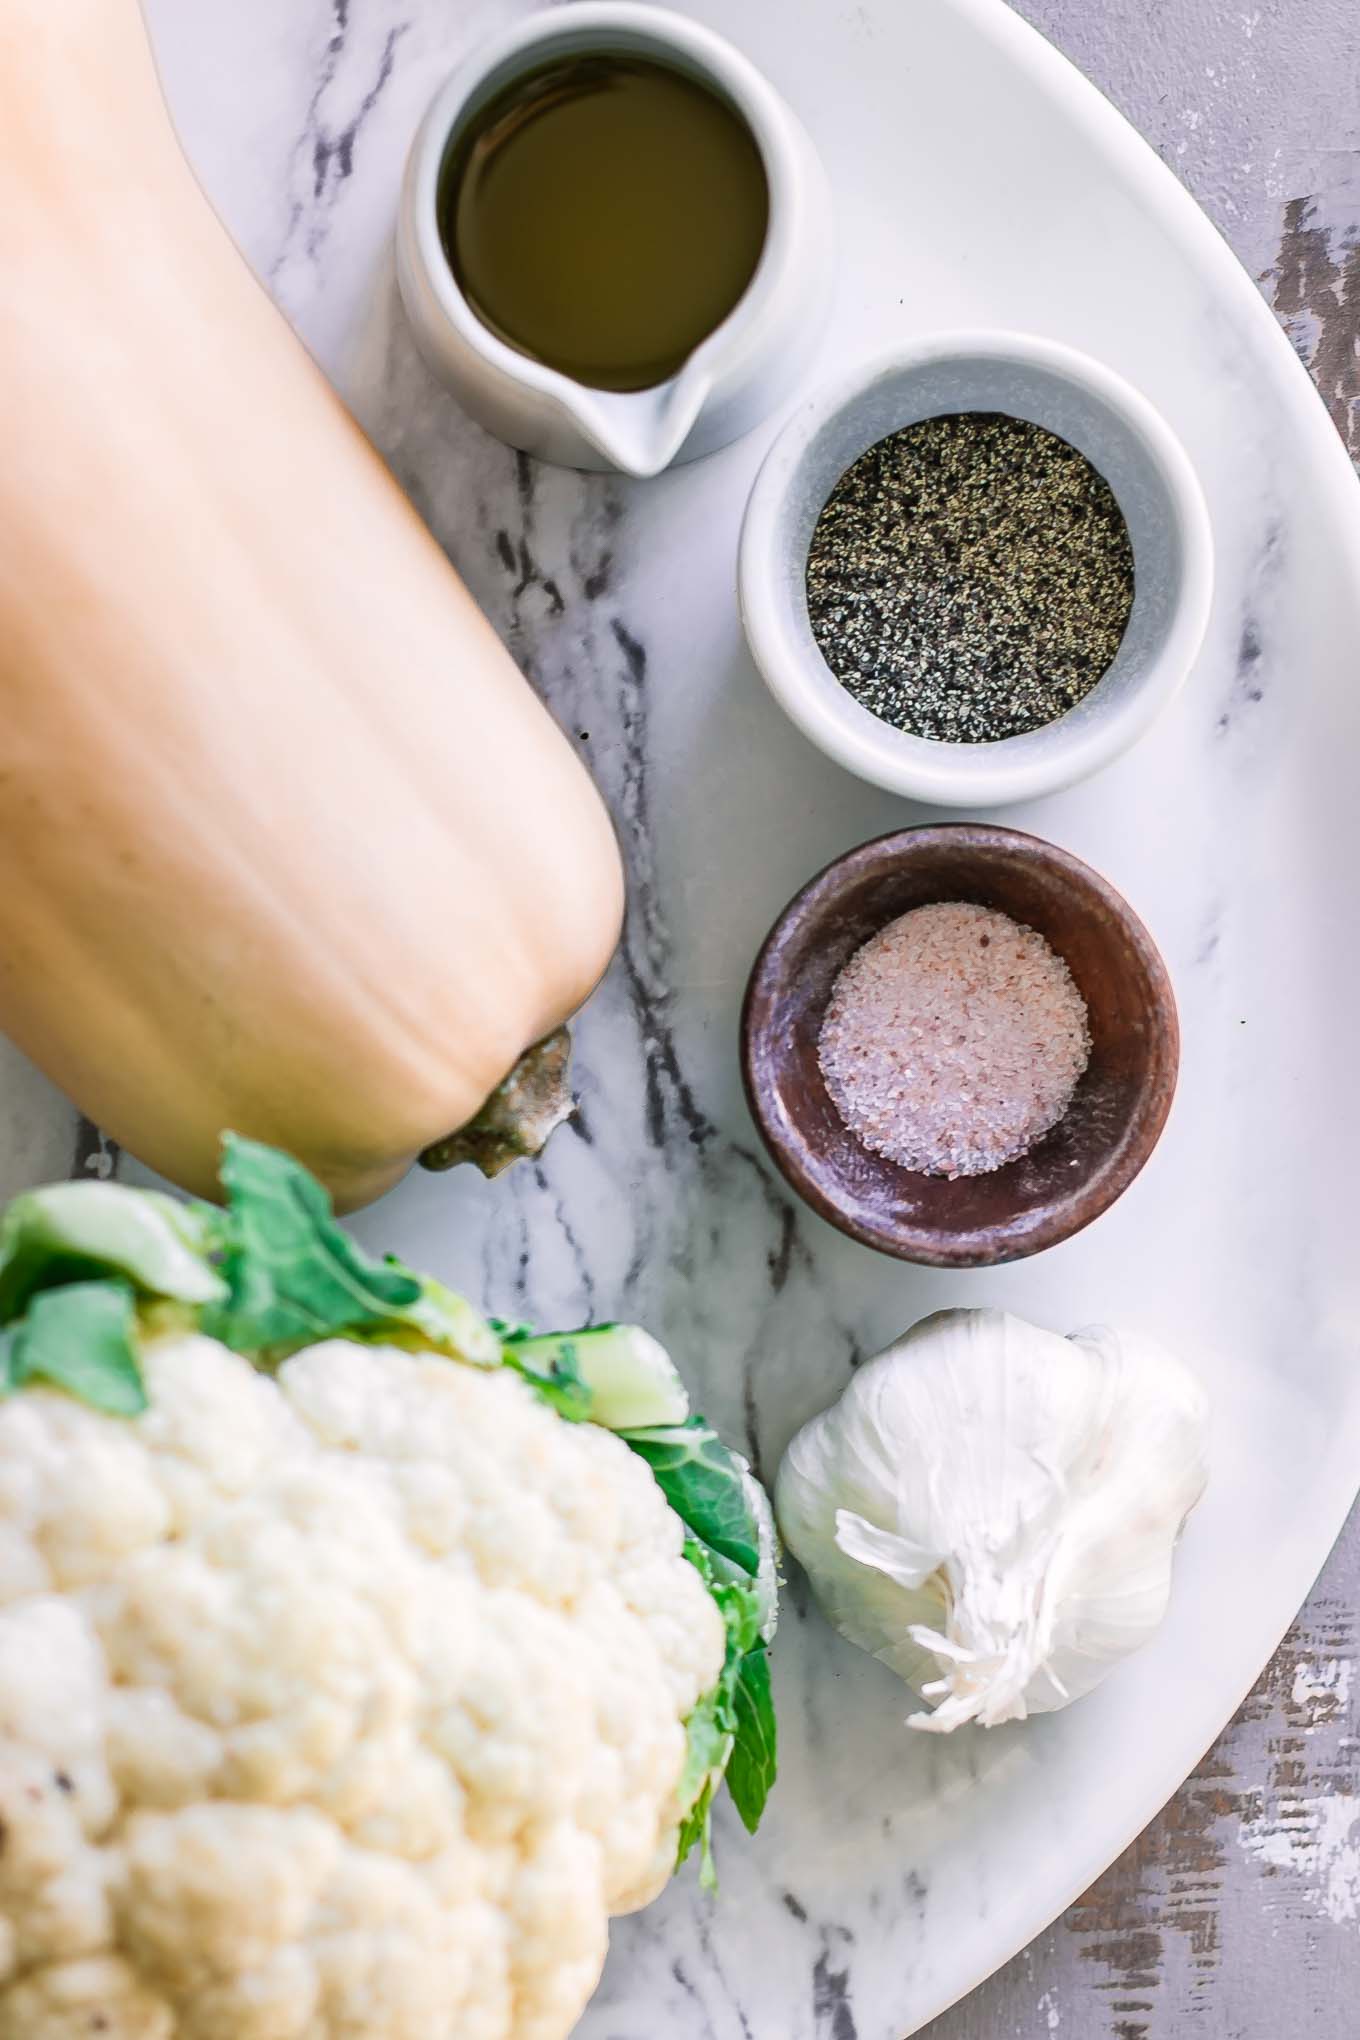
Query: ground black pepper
point(970, 577)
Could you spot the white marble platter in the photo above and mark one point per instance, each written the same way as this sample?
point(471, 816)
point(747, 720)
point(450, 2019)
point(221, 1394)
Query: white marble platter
point(979, 181)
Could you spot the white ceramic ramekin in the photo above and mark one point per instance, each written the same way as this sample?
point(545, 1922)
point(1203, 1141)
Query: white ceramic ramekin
point(1086, 404)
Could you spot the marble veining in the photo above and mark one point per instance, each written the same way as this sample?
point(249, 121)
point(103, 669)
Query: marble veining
point(893, 1871)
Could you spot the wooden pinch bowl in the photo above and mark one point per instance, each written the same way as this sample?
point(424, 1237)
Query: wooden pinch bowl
point(1117, 1112)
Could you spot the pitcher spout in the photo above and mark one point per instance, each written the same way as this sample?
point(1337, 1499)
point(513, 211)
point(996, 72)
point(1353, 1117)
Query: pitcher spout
point(641, 432)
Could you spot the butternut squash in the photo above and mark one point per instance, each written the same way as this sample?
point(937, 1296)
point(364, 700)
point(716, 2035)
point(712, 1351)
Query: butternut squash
point(289, 845)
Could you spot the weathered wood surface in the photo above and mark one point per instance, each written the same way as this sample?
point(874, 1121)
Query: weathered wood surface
point(1236, 1915)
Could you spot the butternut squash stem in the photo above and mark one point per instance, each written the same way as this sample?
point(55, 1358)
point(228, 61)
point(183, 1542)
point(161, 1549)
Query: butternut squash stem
point(517, 1119)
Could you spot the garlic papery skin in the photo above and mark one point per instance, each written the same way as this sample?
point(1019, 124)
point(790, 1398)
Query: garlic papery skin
point(992, 1509)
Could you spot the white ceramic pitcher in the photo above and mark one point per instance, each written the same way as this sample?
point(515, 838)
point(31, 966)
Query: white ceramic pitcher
point(737, 375)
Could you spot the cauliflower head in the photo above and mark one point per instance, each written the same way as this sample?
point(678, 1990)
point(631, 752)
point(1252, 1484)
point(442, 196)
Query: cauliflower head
point(347, 1703)
point(344, 1694)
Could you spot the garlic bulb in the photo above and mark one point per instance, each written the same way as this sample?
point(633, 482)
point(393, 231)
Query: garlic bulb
point(991, 1509)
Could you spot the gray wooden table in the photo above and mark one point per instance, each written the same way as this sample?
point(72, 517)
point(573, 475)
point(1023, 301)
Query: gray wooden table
point(1236, 1915)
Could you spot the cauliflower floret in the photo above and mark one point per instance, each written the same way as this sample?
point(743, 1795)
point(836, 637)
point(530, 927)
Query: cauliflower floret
point(346, 1706)
point(72, 2000)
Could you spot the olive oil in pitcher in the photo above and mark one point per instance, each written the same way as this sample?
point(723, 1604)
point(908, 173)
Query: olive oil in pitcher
point(603, 215)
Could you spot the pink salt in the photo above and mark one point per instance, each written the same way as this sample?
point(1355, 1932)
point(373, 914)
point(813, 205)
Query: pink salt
point(954, 1040)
